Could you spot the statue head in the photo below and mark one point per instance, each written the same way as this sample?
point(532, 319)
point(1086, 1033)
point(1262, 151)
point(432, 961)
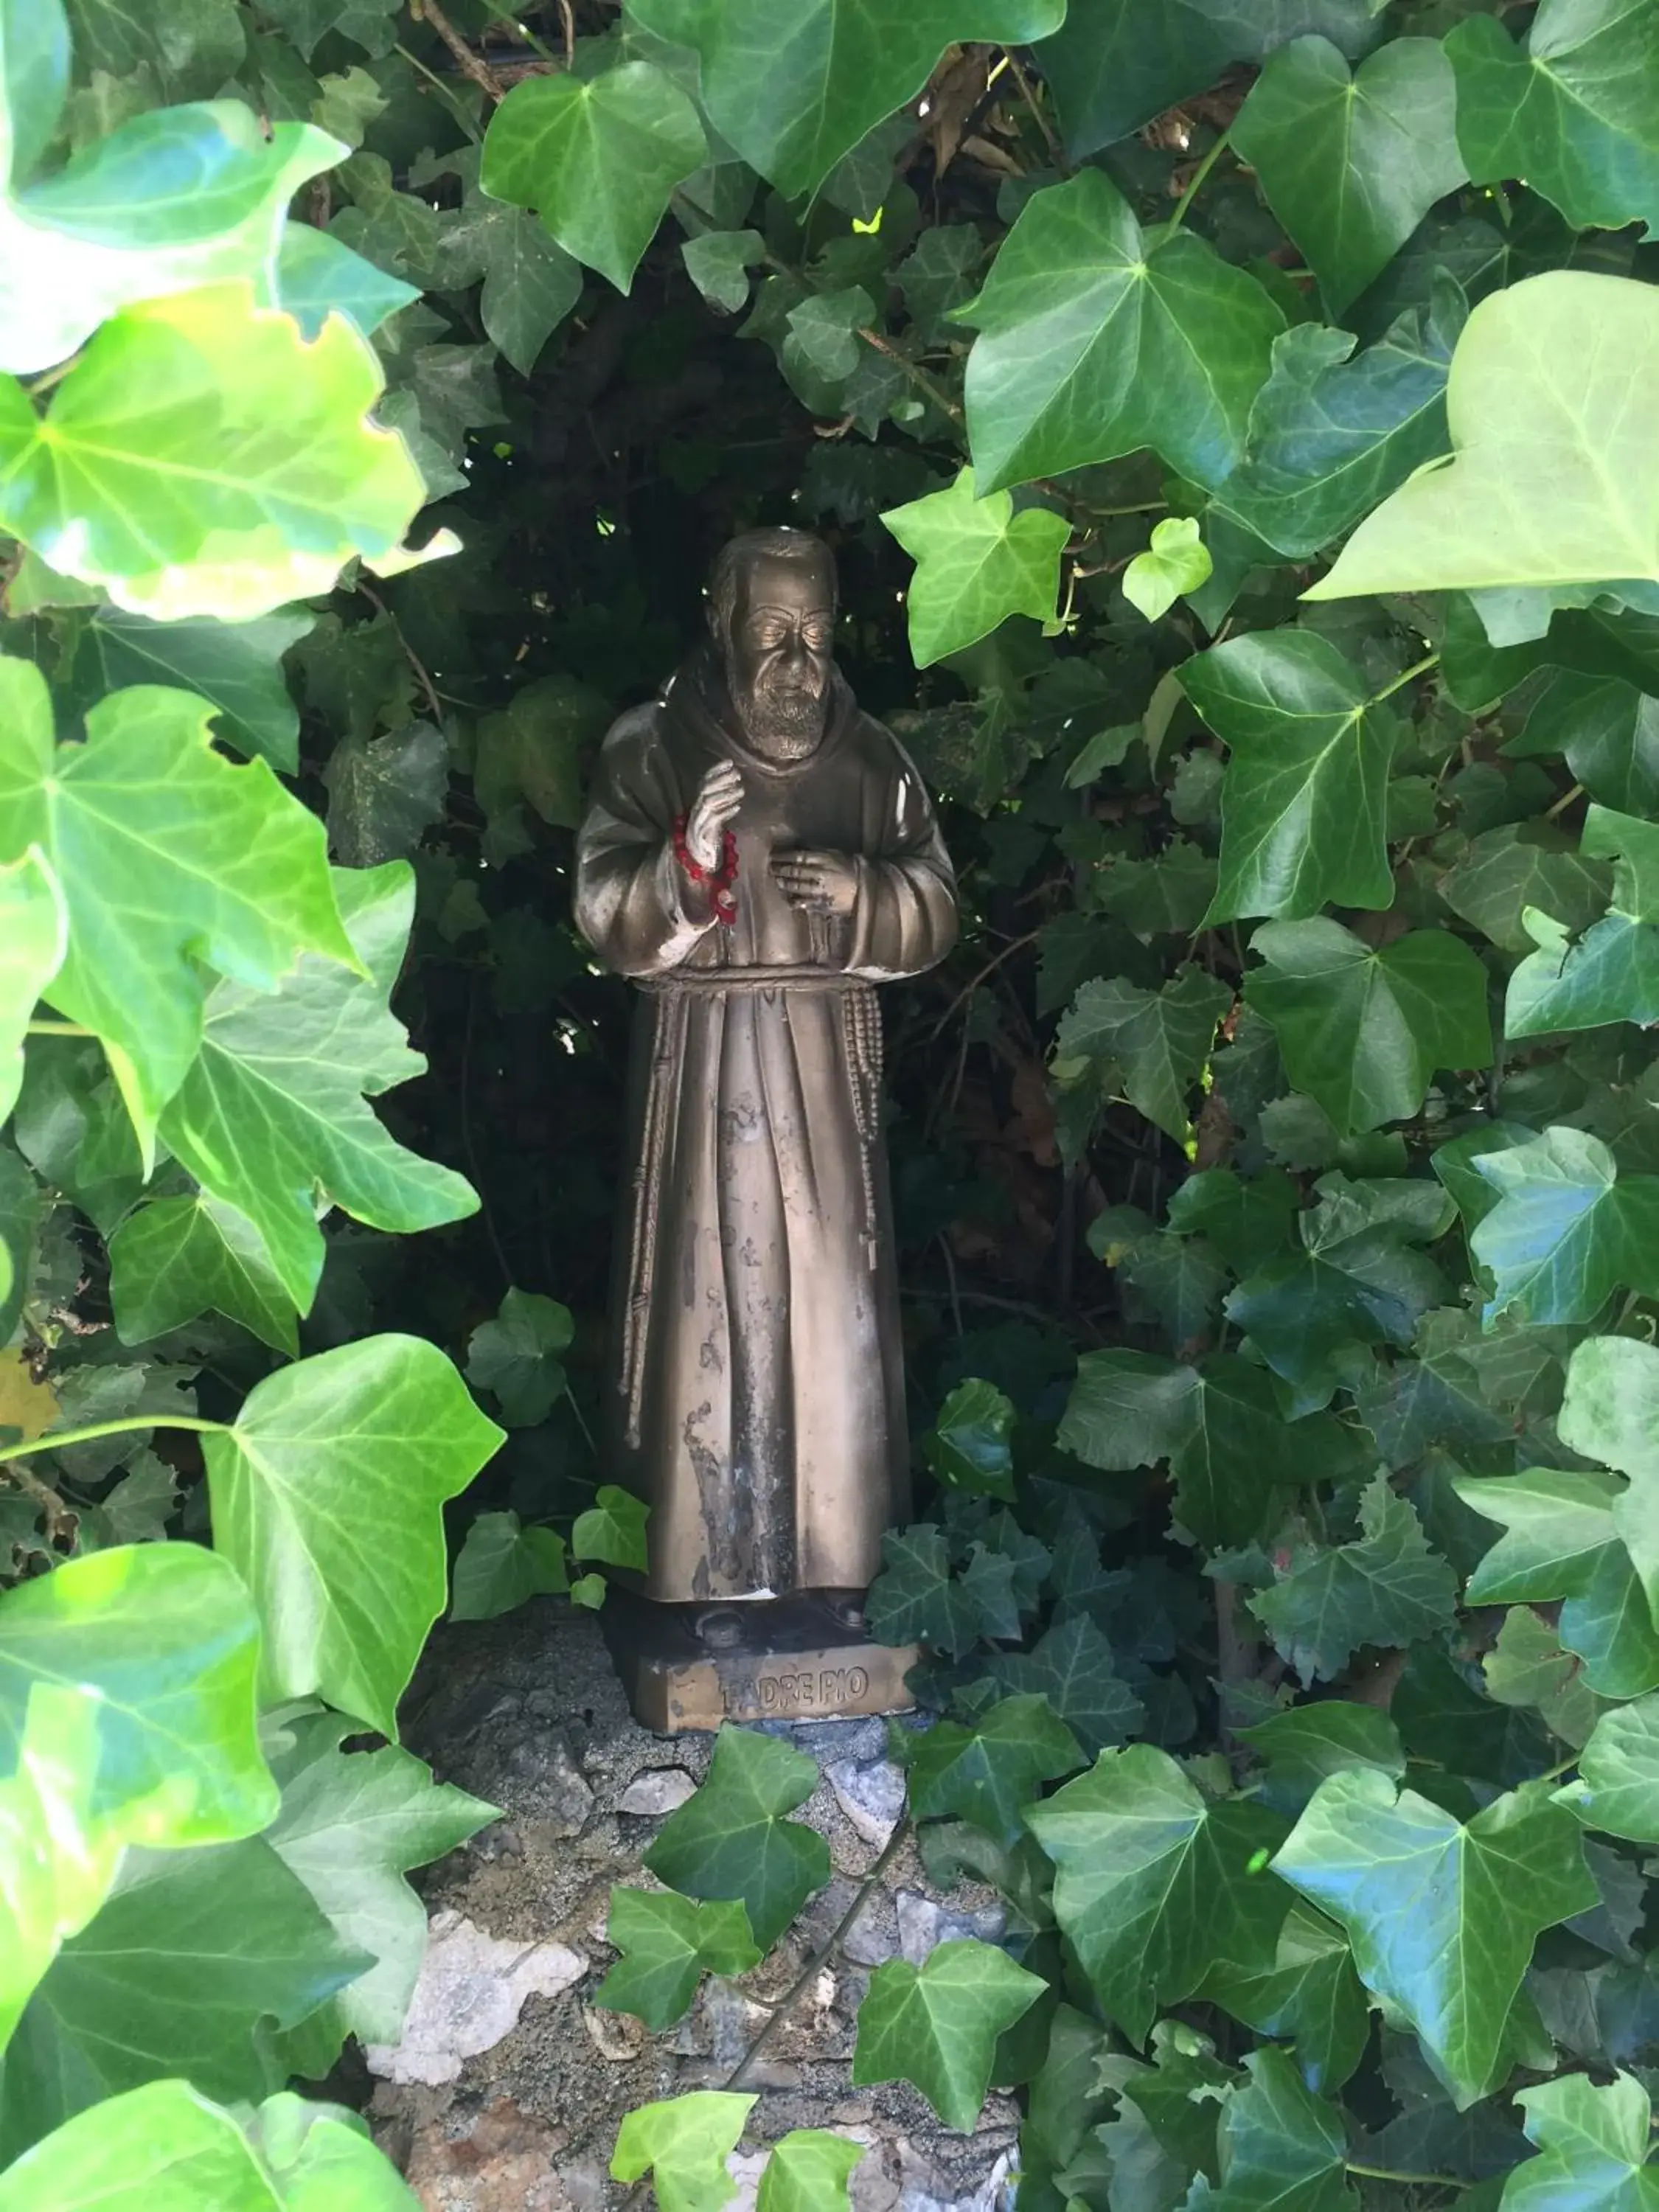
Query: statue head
point(772, 613)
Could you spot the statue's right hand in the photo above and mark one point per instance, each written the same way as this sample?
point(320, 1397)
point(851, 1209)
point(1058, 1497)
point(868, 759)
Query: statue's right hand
point(719, 797)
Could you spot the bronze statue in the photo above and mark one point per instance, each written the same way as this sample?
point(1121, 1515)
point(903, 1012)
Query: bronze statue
point(758, 854)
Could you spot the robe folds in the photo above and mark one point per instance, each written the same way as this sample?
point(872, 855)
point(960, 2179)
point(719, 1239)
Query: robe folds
point(757, 1392)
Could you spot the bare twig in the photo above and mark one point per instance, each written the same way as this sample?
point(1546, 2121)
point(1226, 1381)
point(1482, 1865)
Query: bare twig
point(60, 1519)
point(470, 65)
point(1050, 136)
point(941, 397)
point(422, 677)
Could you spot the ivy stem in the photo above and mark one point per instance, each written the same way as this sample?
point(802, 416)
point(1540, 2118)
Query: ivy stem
point(57, 1515)
point(433, 78)
point(1422, 2180)
point(919, 377)
point(523, 30)
point(1135, 506)
point(470, 64)
point(1050, 136)
point(1564, 802)
point(58, 1437)
point(58, 1028)
point(1196, 179)
point(1408, 676)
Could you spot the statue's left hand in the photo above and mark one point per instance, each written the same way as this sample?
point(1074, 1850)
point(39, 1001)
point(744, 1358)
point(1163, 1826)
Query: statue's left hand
point(820, 883)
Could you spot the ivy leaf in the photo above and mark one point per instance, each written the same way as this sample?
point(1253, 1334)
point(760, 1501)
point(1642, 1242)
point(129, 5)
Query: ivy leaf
point(1332, 433)
point(502, 1564)
point(730, 1840)
point(1072, 1668)
point(516, 1357)
point(1305, 1743)
point(794, 96)
point(220, 465)
point(352, 1824)
point(238, 667)
point(1219, 1426)
point(1618, 1786)
point(1311, 1993)
point(968, 1445)
point(1607, 732)
point(683, 2142)
point(191, 1952)
point(1160, 1040)
point(1611, 1411)
point(1569, 109)
point(1529, 1667)
point(166, 854)
point(1386, 1588)
point(808, 2172)
point(1505, 871)
point(1351, 164)
point(667, 1943)
point(1442, 1917)
point(596, 157)
point(937, 2025)
point(1610, 974)
point(1153, 1882)
point(1282, 2147)
point(384, 794)
point(718, 262)
point(1096, 339)
point(916, 1599)
point(1363, 1029)
point(977, 562)
point(985, 1773)
point(612, 1529)
point(374, 1437)
point(33, 940)
point(273, 1106)
point(307, 23)
point(1593, 2145)
point(316, 275)
point(136, 2150)
point(1567, 1230)
point(1554, 477)
point(114, 227)
point(1176, 563)
point(175, 1258)
point(1303, 808)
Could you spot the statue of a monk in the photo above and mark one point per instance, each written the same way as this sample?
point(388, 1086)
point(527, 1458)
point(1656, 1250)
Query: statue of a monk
point(758, 854)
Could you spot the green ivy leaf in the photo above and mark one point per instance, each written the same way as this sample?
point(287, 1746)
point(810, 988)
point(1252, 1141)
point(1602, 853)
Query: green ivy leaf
point(937, 2025)
point(612, 1529)
point(237, 666)
point(1153, 1882)
point(1303, 807)
point(1219, 1426)
point(1281, 2145)
point(968, 1446)
point(667, 1943)
point(200, 459)
point(1176, 563)
point(1096, 339)
point(273, 1106)
point(984, 1774)
point(1351, 163)
point(307, 23)
point(794, 96)
point(682, 2143)
point(1611, 1412)
point(1607, 732)
point(317, 275)
point(1567, 1230)
point(352, 1824)
point(730, 1840)
point(385, 793)
point(1505, 871)
point(1072, 1668)
point(916, 1599)
point(977, 562)
point(373, 1437)
point(1610, 974)
point(596, 157)
point(1363, 1029)
point(166, 854)
point(1332, 433)
point(1160, 1040)
point(808, 2172)
point(1570, 109)
point(1442, 1917)
point(174, 1258)
point(1529, 1667)
point(502, 1564)
point(1311, 1993)
point(516, 1357)
point(1594, 2148)
point(114, 227)
point(191, 1953)
point(33, 940)
point(718, 262)
point(1554, 477)
point(1387, 1588)
point(1618, 1785)
point(1305, 1743)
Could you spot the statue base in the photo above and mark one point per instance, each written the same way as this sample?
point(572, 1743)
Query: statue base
point(795, 1661)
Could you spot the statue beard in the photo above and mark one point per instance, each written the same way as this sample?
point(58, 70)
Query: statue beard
point(781, 719)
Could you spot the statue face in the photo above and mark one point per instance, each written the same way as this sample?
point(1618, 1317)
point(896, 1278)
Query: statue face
point(777, 651)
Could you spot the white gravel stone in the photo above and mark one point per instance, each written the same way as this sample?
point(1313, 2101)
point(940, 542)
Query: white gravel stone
point(870, 1792)
point(658, 1790)
point(472, 1989)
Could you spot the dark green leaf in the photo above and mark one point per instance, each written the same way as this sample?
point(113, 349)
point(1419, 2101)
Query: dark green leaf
point(385, 792)
point(1159, 1040)
point(1594, 2146)
point(236, 665)
point(968, 1446)
point(667, 1943)
point(1304, 1744)
point(1071, 1667)
point(612, 1529)
point(1567, 1230)
point(1618, 1785)
point(985, 1774)
point(178, 1257)
point(1283, 2148)
point(1387, 1588)
point(1520, 864)
point(937, 2025)
point(730, 1840)
point(1311, 1993)
point(516, 1357)
point(502, 1564)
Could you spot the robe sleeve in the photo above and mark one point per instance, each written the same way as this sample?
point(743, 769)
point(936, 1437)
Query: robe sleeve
point(634, 904)
point(905, 919)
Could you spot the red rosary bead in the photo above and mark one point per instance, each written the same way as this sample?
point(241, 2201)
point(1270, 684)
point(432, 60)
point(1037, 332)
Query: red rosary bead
point(720, 880)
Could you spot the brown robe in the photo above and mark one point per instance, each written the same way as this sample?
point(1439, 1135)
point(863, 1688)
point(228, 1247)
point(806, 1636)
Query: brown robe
point(757, 1391)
